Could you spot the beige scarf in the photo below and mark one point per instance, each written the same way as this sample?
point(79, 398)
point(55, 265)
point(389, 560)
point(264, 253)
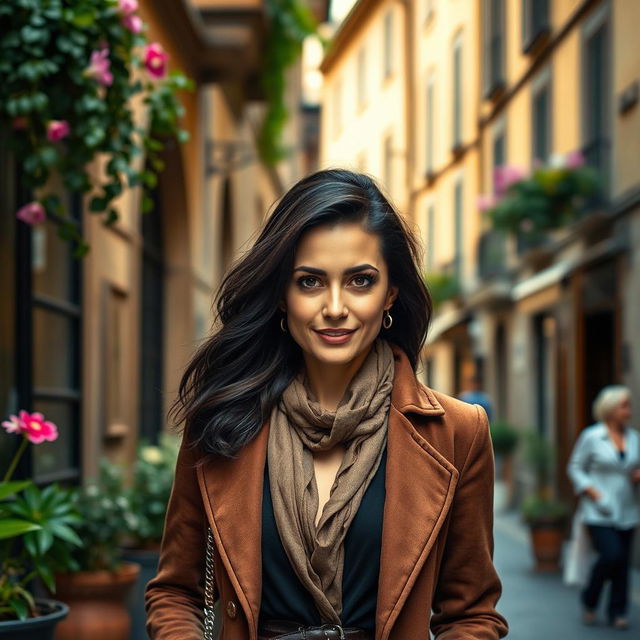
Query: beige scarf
point(299, 425)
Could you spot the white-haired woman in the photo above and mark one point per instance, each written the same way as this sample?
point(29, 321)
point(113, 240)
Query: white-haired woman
point(605, 470)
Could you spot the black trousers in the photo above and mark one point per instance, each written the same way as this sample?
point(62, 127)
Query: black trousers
point(614, 557)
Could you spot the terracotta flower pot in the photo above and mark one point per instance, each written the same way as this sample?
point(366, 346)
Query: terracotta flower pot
point(97, 603)
point(547, 537)
point(40, 628)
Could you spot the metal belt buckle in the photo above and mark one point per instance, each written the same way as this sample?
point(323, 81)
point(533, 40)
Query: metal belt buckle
point(334, 627)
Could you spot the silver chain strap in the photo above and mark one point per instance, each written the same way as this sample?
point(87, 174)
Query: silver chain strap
point(209, 589)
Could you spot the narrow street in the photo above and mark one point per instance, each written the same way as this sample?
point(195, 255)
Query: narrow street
point(540, 606)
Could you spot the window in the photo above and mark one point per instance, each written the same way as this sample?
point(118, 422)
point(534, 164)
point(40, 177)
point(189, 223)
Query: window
point(457, 92)
point(494, 45)
point(499, 152)
point(49, 340)
point(429, 123)
point(152, 325)
point(388, 163)
point(458, 222)
point(388, 44)
point(541, 119)
point(431, 231)
point(596, 93)
point(362, 77)
point(535, 22)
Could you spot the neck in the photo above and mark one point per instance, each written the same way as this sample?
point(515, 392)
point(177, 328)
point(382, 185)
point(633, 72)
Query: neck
point(616, 427)
point(328, 382)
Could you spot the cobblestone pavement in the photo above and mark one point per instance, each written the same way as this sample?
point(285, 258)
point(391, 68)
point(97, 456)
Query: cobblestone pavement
point(540, 606)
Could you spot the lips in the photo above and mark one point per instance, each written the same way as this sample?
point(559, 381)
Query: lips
point(334, 332)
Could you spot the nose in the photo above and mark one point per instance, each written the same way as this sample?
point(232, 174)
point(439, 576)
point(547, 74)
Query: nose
point(334, 306)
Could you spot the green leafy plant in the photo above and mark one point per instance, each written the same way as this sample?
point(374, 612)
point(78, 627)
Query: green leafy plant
point(537, 508)
point(149, 493)
point(106, 515)
point(69, 72)
point(504, 437)
point(550, 198)
point(290, 22)
point(36, 525)
point(541, 505)
point(443, 286)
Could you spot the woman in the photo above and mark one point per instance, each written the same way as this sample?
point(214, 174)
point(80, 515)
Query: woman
point(605, 470)
point(344, 498)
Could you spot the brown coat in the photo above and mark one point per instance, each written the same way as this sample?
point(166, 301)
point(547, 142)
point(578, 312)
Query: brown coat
point(437, 541)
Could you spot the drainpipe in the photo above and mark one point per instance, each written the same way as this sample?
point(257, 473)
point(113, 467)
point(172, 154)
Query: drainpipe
point(410, 122)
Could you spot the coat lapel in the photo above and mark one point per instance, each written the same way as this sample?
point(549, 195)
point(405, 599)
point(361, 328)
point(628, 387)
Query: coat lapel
point(420, 484)
point(233, 491)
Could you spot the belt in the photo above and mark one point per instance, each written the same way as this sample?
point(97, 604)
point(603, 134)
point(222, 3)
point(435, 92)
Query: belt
point(285, 630)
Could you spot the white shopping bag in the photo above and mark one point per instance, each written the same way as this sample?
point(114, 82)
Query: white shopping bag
point(580, 554)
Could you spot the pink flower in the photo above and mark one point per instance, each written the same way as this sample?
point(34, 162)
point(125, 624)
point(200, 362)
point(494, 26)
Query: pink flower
point(13, 424)
point(58, 129)
point(504, 176)
point(486, 202)
point(574, 160)
point(127, 7)
point(155, 59)
point(133, 23)
point(99, 66)
point(36, 428)
point(32, 213)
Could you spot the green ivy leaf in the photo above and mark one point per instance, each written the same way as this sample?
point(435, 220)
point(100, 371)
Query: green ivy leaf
point(98, 204)
point(112, 217)
point(147, 204)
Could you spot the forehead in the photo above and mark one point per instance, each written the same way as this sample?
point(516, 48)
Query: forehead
point(338, 245)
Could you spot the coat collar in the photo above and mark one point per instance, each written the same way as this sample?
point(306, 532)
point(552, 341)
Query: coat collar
point(408, 395)
point(413, 513)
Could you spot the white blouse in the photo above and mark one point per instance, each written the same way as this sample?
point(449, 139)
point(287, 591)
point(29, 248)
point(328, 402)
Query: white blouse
point(596, 462)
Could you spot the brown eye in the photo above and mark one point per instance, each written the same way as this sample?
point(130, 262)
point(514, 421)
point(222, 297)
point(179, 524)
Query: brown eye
point(308, 282)
point(363, 281)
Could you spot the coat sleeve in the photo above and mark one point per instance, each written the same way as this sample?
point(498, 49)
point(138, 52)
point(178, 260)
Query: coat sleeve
point(468, 586)
point(174, 598)
point(577, 467)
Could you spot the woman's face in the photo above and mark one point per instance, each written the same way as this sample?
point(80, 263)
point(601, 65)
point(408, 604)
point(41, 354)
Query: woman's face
point(337, 293)
point(621, 413)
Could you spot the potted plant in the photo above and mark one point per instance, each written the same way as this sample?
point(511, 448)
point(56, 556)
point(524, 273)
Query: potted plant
point(36, 538)
point(504, 438)
point(551, 197)
point(148, 495)
point(98, 587)
point(546, 516)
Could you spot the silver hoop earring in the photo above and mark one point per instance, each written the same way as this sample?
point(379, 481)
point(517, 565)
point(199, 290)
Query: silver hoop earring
point(283, 325)
point(387, 321)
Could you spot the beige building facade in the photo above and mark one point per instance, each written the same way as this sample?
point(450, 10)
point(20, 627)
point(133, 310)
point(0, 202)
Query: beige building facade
point(487, 84)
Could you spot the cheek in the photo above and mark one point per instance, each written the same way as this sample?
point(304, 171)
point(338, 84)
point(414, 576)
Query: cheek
point(300, 308)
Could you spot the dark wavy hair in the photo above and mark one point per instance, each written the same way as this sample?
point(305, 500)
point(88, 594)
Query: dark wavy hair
point(234, 379)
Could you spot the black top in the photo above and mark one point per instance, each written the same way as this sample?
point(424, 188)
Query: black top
point(283, 595)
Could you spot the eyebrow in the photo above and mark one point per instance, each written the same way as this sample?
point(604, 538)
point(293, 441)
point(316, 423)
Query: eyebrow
point(349, 271)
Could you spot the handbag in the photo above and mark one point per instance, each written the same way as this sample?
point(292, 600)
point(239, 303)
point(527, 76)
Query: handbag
point(209, 589)
point(579, 554)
